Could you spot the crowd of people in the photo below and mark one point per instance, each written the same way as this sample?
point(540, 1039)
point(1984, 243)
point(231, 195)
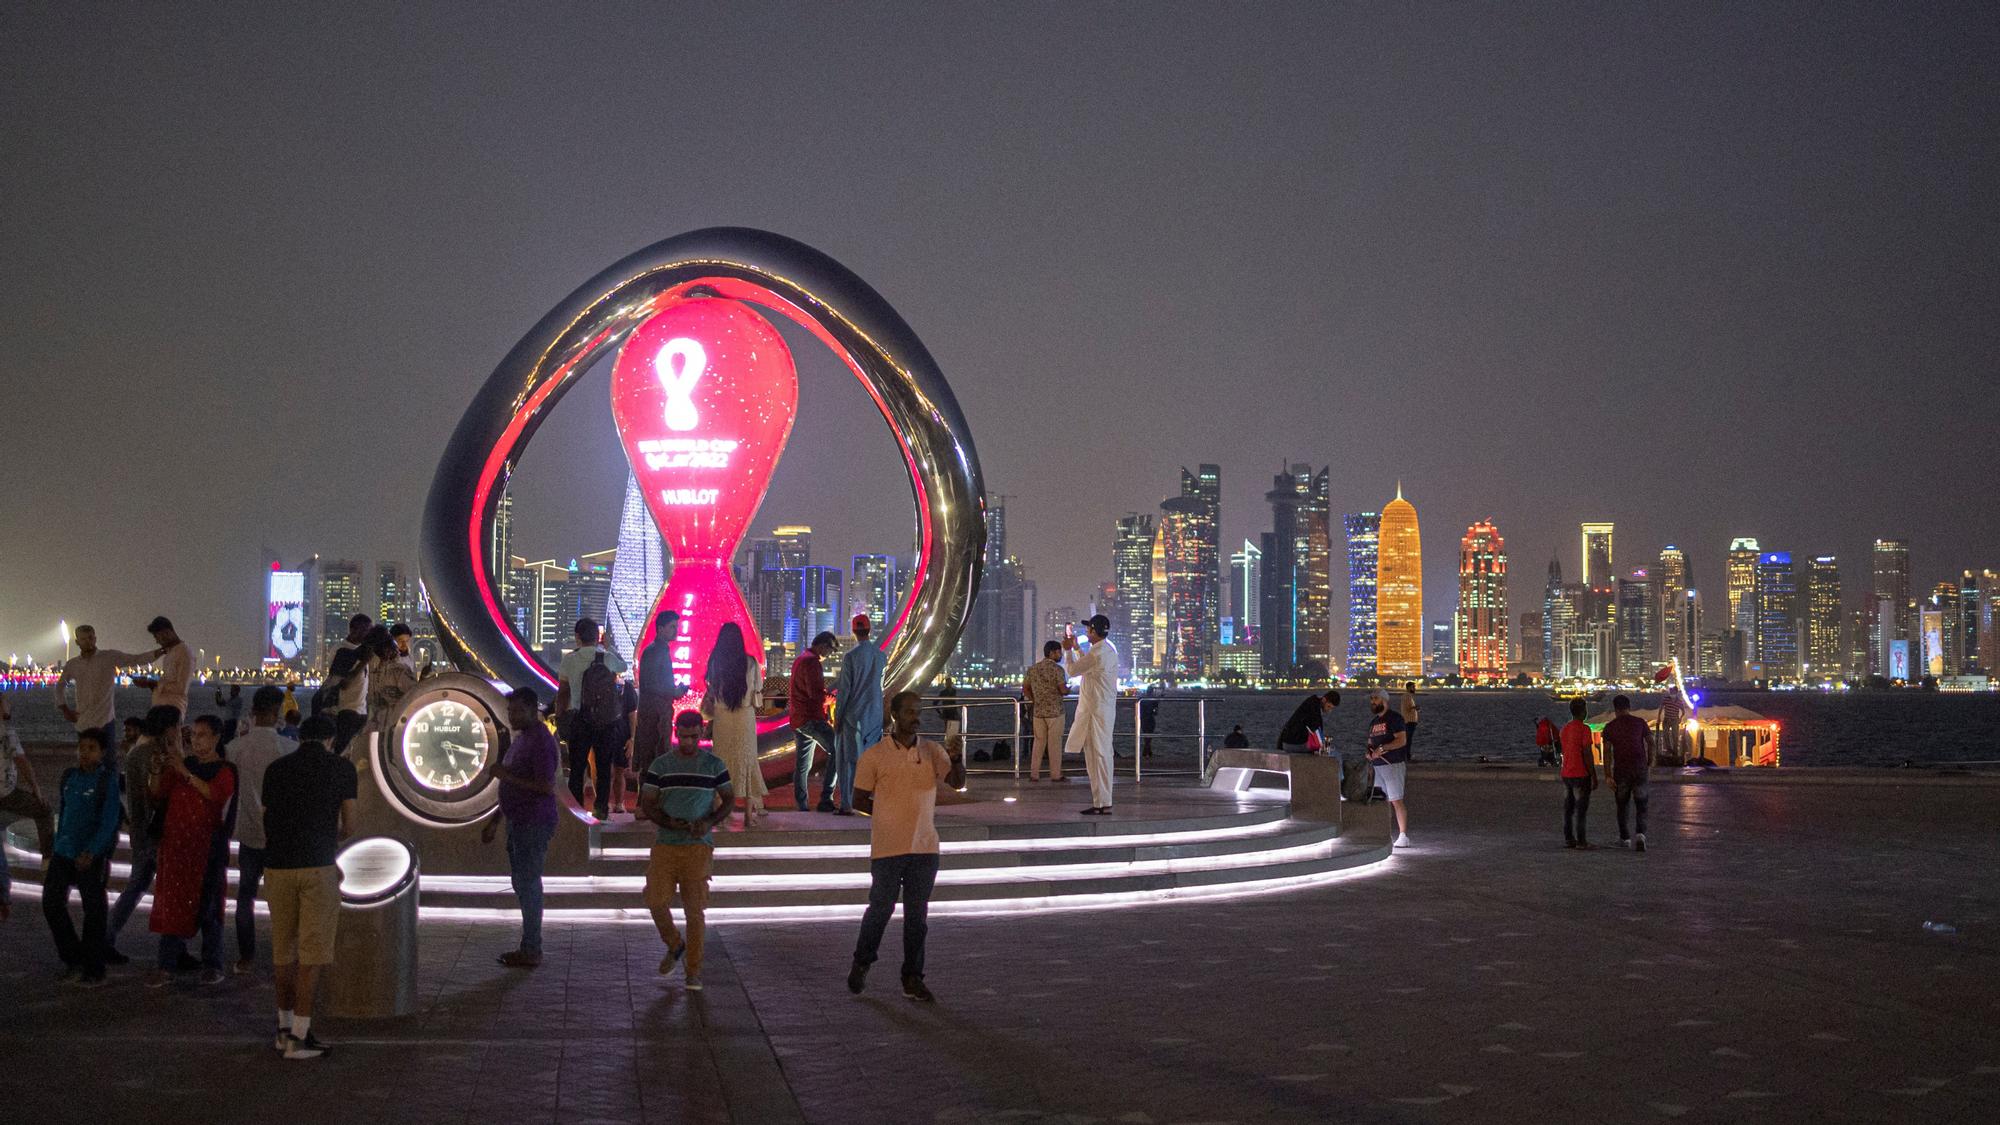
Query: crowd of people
point(183, 791)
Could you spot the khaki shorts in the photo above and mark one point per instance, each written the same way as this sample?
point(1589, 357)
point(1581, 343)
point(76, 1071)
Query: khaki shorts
point(679, 867)
point(305, 909)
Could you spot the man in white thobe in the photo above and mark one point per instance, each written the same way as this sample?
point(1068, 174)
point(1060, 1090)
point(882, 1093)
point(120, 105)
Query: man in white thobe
point(1094, 665)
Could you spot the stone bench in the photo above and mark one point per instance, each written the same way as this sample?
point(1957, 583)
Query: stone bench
point(1312, 779)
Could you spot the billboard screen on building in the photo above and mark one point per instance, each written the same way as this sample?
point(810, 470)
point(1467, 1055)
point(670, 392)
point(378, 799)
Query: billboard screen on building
point(284, 637)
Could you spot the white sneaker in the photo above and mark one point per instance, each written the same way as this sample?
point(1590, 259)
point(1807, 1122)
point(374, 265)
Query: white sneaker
point(1640, 841)
point(1626, 844)
point(1403, 841)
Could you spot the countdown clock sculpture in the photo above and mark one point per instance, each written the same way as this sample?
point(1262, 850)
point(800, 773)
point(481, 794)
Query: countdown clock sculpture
point(703, 394)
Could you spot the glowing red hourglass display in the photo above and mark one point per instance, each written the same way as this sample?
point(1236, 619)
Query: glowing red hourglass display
point(703, 395)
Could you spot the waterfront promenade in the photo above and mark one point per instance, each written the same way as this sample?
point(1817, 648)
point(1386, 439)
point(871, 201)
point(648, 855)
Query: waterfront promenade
point(1764, 961)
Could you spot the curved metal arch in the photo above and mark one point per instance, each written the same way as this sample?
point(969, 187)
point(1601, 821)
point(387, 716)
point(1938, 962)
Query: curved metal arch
point(777, 273)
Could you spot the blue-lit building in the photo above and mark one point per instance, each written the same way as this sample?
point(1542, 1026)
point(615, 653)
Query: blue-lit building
point(1364, 537)
point(1777, 616)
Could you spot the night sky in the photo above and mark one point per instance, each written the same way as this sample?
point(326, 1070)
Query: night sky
point(1705, 271)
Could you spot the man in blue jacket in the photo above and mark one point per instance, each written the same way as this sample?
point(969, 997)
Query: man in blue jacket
point(86, 831)
point(857, 696)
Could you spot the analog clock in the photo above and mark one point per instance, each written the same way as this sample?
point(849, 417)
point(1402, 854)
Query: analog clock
point(445, 745)
point(437, 759)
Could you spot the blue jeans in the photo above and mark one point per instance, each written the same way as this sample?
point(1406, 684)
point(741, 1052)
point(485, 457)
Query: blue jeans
point(848, 745)
point(249, 874)
point(145, 863)
point(912, 876)
point(804, 738)
point(527, 849)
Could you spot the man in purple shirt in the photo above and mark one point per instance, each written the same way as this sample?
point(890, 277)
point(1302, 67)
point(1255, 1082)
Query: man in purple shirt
point(527, 773)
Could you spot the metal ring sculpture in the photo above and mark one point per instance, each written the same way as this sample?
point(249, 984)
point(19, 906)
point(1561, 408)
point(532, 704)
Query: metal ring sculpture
point(779, 274)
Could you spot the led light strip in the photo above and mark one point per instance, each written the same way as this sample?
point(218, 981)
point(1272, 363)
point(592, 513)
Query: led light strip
point(973, 908)
point(979, 847)
point(854, 880)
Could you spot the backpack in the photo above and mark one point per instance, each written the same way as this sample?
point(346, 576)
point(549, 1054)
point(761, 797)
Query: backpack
point(602, 703)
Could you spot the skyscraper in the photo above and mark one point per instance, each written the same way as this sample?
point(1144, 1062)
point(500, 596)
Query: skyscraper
point(1246, 588)
point(1824, 658)
point(1558, 622)
point(1742, 587)
point(1204, 488)
point(1989, 621)
point(500, 542)
point(1949, 654)
point(1597, 565)
point(795, 545)
point(1441, 648)
point(638, 572)
point(871, 589)
point(820, 602)
point(1132, 577)
point(1187, 619)
point(1364, 535)
point(1399, 593)
point(1298, 556)
point(1481, 623)
point(1890, 605)
point(395, 594)
point(1672, 576)
point(1636, 625)
point(1777, 616)
point(1689, 611)
point(1968, 624)
point(339, 598)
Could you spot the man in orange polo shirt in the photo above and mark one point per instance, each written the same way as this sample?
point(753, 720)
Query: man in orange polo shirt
point(896, 785)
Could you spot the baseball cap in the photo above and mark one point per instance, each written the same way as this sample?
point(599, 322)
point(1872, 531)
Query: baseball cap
point(1099, 622)
point(861, 622)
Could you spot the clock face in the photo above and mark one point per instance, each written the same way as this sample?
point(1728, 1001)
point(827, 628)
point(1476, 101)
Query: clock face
point(445, 744)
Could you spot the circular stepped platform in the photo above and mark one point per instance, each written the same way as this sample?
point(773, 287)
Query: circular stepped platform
point(1167, 841)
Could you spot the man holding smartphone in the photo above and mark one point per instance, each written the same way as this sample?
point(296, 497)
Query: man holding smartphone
point(1094, 665)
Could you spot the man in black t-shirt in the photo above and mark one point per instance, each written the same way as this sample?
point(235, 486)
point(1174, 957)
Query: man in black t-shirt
point(1308, 720)
point(1389, 752)
point(308, 811)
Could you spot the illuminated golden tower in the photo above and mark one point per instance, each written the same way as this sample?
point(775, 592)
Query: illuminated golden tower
point(1399, 593)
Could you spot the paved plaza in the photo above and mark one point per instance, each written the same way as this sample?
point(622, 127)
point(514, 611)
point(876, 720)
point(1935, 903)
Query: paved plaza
point(1766, 960)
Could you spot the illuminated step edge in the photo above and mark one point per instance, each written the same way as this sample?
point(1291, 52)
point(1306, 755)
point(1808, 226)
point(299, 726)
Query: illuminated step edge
point(1067, 850)
point(1340, 866)
point(960, 836)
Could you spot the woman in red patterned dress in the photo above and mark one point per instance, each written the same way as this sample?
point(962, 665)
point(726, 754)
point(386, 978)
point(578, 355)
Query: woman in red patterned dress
point(195, 792)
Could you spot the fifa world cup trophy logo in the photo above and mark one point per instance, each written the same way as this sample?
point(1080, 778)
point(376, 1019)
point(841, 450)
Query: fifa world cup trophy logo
point(704, 394)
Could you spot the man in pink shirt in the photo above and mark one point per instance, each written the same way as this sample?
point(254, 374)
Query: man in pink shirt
point(896, 785)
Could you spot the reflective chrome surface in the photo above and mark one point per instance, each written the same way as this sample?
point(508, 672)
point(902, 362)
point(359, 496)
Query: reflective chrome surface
point(781, 275)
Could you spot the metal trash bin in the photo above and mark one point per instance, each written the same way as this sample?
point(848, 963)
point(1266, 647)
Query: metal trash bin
point(375, 949)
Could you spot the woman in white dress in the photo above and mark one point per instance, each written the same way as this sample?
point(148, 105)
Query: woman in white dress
point(730, 704)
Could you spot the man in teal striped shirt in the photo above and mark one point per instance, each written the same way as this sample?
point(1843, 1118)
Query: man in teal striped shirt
point(686, 792)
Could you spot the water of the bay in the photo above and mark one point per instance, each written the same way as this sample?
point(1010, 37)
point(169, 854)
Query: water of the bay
point(1818, 729)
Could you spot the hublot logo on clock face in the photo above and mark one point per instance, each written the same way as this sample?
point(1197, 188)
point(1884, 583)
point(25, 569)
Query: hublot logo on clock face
point(445, 746)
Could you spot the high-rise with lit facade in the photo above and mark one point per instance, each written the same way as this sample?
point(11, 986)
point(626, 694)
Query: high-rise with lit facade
point(1132, 578)
point(1689, 611)
point(1777, 616)
point(1364, 534)
point(638, 573)
point(1203, 487)
point(1399, 593)
point(339, 597)
point(500, 541)
point(1742, 587)
point(1970, 659)
point(1246, 589)
point(1944, 652)
point(1636, 625)
point(871, 589)
point(1672, 576)
point(1441, 646)
point(1597, 564)
point(1820, 588)
point(1890, 607)
point(1559, 622)
point(1297, 594)
point(1480, 626)
point(1189, 620)
point(395, 594)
